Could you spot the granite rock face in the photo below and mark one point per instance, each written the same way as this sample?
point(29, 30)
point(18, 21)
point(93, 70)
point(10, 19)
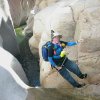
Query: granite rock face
point(20, 10)
point(9, 49)
point(75, 20)
point(38, 6)
point(74, 24)
point(87, 28)
point(7, 32)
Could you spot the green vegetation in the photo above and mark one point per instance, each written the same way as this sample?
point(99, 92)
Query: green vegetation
point(19, 34)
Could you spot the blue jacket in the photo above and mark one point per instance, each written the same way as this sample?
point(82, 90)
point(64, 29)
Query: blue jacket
point(54, 53)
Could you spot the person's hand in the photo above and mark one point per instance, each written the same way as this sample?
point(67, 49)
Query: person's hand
point(80, 41)
point(58, 68)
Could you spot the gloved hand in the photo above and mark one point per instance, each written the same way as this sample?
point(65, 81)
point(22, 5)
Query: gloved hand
point(63, 54)
point(58, 68)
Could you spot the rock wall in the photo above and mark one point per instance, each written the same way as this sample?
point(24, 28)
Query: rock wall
point(12, 62)
point(75, 20)
point(84, 25)
point(87, 28)
point(12, 87)
point(38, 6)
point(20, 10)
point(7, 60)
point(50, 18)
point(10, 68)
point(7, 32)
point(8, 45)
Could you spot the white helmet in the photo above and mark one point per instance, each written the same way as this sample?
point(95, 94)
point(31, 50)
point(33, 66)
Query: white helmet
point(56, 34)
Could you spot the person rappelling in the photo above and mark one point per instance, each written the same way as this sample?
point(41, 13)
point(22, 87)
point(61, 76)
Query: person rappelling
point(53, 51)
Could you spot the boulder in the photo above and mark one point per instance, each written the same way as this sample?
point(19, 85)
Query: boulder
point(88, 27)
point(7, 32)
point(23, 8)
point(11, 85)
point(30, 22)
point(40, 5)
point(8, 44)
point(20, 10)
point(79, 6)
point(13, 63)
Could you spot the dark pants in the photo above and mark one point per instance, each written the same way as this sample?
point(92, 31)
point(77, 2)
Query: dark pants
point(73, 67)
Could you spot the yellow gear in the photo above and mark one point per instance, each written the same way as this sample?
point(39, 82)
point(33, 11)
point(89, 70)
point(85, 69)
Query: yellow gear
point(63, 45)
point(63, 53)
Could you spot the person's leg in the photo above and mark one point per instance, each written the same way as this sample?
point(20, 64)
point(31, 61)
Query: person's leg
point(73, 67)
point(65, 74)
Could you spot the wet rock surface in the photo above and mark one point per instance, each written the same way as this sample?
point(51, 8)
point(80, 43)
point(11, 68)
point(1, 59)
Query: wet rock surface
point(30, 62)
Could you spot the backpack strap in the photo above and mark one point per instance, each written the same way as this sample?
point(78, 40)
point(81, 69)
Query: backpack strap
point(49, 43)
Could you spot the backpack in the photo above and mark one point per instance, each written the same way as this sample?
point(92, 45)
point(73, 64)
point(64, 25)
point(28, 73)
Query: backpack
point(45, 50)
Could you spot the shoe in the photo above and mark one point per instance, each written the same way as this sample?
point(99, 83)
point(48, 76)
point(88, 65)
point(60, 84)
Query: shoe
point(81, 85)
point(83, 76)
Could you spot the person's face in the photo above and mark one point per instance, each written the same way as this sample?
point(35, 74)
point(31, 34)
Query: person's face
point(56, 38)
